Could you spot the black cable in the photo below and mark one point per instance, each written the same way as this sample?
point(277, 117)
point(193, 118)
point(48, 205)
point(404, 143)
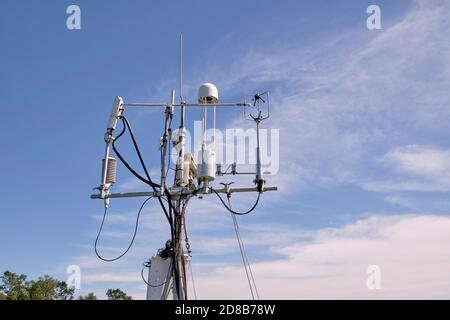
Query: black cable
point(175, 264)
point(132, 240)
point(125, 163)
point(169, 270)
point(148, 181)
point(155, 185)
point(169, 214)
point(151, 285)
point(235, 212)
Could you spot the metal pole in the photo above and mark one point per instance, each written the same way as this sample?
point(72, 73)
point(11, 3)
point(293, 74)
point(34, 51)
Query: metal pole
point(169, 114)
point(259, 180)
point(181, 68)
point(179, 252)
point(180, 161)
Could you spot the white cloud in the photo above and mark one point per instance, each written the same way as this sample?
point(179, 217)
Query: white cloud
point(91, 278)
point(413, 168)
point(329, 263)
point(351, 98)
point(426, 162)
point(410, 251)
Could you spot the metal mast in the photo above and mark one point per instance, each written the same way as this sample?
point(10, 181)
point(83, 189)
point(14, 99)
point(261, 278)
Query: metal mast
point(169, 266)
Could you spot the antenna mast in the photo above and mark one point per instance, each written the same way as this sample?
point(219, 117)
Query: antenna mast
point(181, 68)
point(170, 265)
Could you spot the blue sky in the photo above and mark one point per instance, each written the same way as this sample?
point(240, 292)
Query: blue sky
point(364, 152)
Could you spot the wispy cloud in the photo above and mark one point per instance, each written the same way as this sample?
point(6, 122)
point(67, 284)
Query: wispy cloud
point(347, 100)
point(414, 168)
point(329, 263)
point(333, 263)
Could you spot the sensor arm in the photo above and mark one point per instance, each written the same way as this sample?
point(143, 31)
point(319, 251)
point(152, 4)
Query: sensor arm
point(177, 192)
point(187, 105)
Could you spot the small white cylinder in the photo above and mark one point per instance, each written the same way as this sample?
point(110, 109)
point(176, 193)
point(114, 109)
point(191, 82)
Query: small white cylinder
point(207, 165)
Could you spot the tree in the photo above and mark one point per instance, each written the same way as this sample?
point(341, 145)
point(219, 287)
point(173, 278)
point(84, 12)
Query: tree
point(48, 288)
point(117, 294)
point(90, 296)
point(63, 292)
point(43, 289)
point(14, 286)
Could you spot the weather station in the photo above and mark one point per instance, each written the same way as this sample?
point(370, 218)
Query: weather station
point(193, 177)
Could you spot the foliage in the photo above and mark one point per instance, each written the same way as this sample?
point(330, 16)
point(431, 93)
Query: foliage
point(90, 296)
point(16, 287)
point(117, 294)
point(64, 292)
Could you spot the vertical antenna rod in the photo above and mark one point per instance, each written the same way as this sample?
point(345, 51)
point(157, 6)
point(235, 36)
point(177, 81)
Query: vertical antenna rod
point(181, 68)
point(180, 161)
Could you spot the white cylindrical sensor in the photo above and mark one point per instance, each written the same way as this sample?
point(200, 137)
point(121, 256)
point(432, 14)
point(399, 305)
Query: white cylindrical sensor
point(207, 165)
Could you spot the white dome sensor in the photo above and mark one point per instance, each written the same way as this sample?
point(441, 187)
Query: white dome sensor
point(208, 94)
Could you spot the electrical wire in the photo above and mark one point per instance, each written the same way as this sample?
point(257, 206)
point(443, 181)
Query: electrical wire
point(188, 247)
point(119, 155)
point(132, 239)
point(193, 281)
point(168, 214)
point(183, 227)
point(136, 147)
point(169, 270)
point(235, 212)
point(244, 256)
point(176, 271)
point(152, 285)
point(184, 278)
point(126, 125)
point(169, 142)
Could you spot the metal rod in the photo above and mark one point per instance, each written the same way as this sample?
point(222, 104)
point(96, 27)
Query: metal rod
point(214, 127)
point(258, 155)
point(169, 114)
point(187, 105)
point(179, 172)
point(180, 160)
point(179, 193)
point(237, 173)
point(181, 67)
point(203, 130)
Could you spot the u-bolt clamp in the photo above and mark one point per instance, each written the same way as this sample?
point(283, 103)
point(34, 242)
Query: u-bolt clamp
point(227, 188)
